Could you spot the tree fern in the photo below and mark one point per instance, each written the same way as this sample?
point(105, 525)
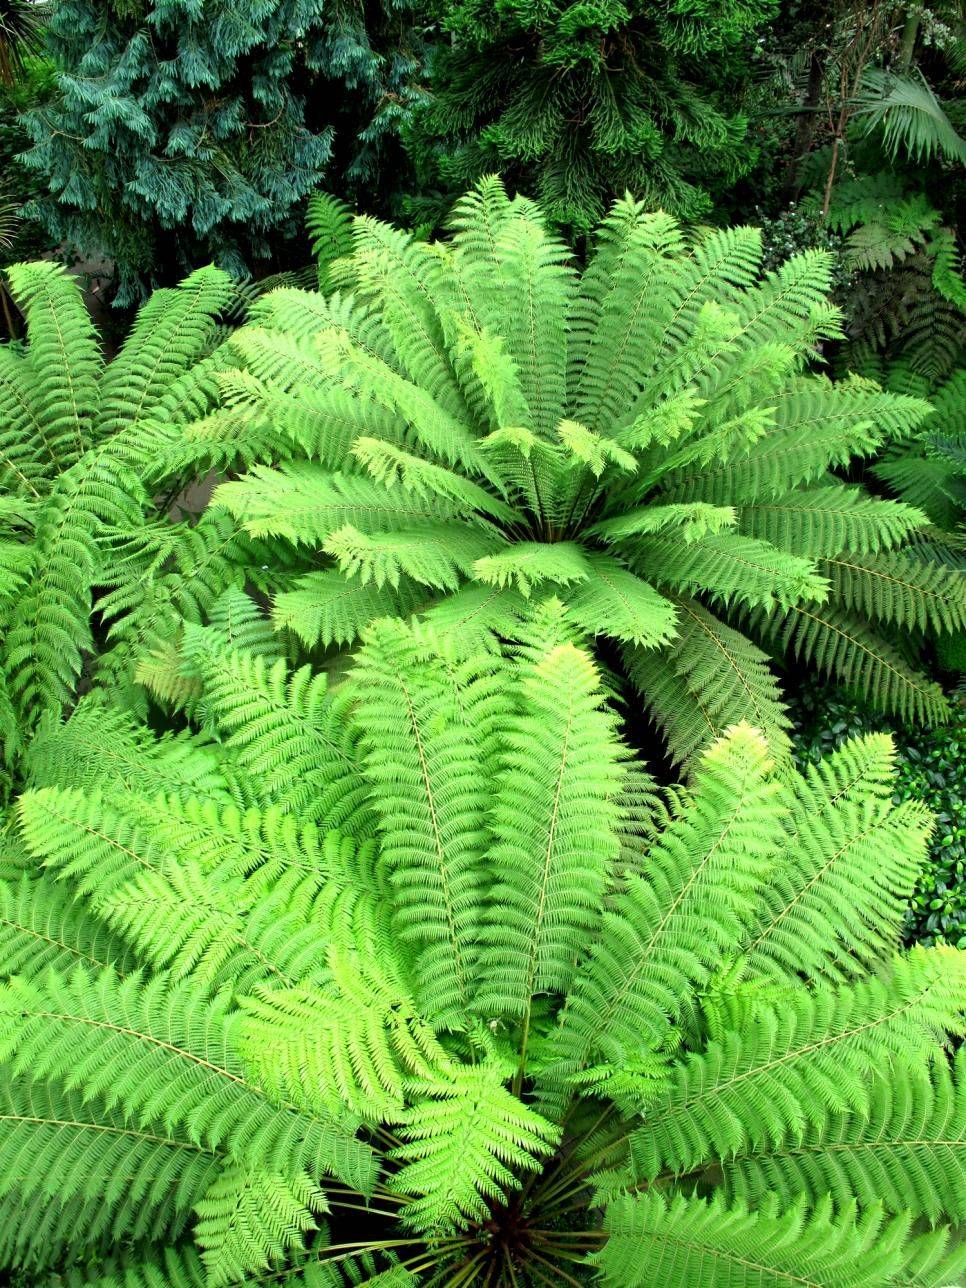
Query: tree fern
point(635, 437)
point(532, 1022)
point(81, 457)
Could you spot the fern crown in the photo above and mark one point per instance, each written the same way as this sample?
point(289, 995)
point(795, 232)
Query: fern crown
point(542, 1021)
point(460, 427)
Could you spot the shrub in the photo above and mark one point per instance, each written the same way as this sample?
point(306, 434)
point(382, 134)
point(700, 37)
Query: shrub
point(521, 1018)
point(466, 422)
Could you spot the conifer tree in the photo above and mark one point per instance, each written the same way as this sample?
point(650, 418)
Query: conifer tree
point(578, 103)
point(190, 130)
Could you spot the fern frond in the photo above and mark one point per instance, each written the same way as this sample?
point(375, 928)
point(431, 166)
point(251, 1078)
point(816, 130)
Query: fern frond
point(800, 1062)
point(688, 1241)
point(613, 602)
point(839, 644)
point(288, 734)
point(836, 902)
point(104, 747)
point(173, 329)
point(899, 589)
point(645, 963)
point(825, 521)
point(908, 1152)
point(42, 924)
point(251, 1219)
point(328, 222)
point(131, 1182)
point(526, 564)
point(306, 504)
point(63, 358)
point(467, 1142)
point(624, 303)
point(355, 1039)
point(430, 554)
point(423, 763)
point(328, 608)
point(161, 1051)
point(554, 832)
point(730, 567)
point(711, 677)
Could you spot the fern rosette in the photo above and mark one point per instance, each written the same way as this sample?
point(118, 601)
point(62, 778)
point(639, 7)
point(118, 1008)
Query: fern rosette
point(522, 1020)
point(461, 426)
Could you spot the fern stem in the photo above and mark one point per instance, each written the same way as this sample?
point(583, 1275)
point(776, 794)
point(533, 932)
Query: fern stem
point(369, 1211)
point(561, 1274)
point(467, 1273)
point(548, 1188)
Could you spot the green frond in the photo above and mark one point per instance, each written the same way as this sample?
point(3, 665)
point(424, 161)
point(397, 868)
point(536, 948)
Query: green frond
point(433, 554)
point(467, 1142)
point(251, 1219)
point(172, 331)
point(104, 747)
point(523, 293)
point(188, 921)
point(391, 465)
point(526, 564)
point(843, 646)
point(689, 1242)
point(171, 1268)
point(63, 358)
point(689, 522)
point(900, 589)
point(813, 1055)
point(354, 1039)
point(554, 828)
point(328, 608)
point(26, 460)
point(408, 284)
point(817, 425)
point(306, 504)
point(909, 115)
point(328, 222)
point(665, 932)
point(129, 1181)
point(239, 623)
point(625, 301)
point(613, 602)
point(163, 1051)
point(95, 843)
point(825, 521)
point(908, 1153)
point(288, 733)
point(731, 568)
point(49, 631)
point(423, 763)
point(42, 924)
point(836, 901)
point(709, 678)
